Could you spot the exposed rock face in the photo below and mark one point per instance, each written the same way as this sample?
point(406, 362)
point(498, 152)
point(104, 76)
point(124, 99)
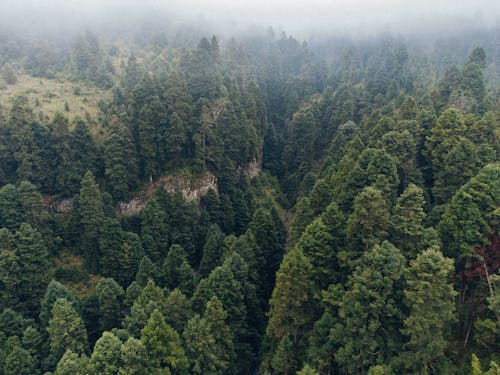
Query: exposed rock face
point(253, 169)
point(62, 206)
point(190, 188)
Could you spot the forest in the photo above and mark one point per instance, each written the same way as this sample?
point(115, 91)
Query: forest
point(178, 202)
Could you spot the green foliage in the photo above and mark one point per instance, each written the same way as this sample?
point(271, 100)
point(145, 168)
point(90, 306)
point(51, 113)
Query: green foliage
point(106, 357)
point(19, 362)
point(163, 346)
point(208, 341)
point(431, 300)
point(72, 364)
point(134, 358)
point(177, 272)
point(368, 333)
point(291, 305)
point(66, 330)
point(91, 217)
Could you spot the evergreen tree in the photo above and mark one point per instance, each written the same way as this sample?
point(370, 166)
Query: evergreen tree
point(316, 244)
point(163, 345)
point(212, 251)
point(19, 362)
point(369, 311)
point(121, 170)
point(106, 357)
point(72, 364)
point(177, 272)
point(177, 310)
point(368, 224)
point(408, 221)
point(154, 230)
point(91, 219)
point(33, 268)
point(291, 306)
point(109, 296)
point(431, 300)
point(209, 341)
point(134, 358)
point(285, 360)
point(66, 330)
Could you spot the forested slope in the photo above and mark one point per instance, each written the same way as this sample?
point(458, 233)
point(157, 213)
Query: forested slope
point(368, 242)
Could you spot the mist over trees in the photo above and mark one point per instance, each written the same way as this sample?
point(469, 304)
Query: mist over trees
point(199, 198)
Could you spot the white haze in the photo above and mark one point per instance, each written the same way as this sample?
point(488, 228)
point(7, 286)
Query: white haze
point(299, 17)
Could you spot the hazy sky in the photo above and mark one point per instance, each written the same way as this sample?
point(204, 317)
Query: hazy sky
point(291, 15)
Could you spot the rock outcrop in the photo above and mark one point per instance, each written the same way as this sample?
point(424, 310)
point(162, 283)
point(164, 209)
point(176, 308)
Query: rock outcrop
point(190, 188)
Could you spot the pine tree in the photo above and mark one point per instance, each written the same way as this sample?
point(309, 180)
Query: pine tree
point(10, 207)
point(109, 296)
point(177, 272)
point(177, 310)
point(368, 224)
point(72, 364)
point(110, 246)
point(175, 139)
point(121, 169)
point(154, 230)
point(216, 318)
point(55, 290)
point(19, 362)
point(316, 244)
point(408, 221)
point(291, 305)
point(134, 358)
point(285, 360)
point(91, 219)
point(163, 345)
point(106, 357)
point(209, 341)
point(431, 300)
point(212, 251)
point(66, 330)
point(33, 266)
point(369, 311)
point(145, 272)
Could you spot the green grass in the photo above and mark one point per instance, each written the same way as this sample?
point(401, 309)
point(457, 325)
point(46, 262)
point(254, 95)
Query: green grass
point(48, 96)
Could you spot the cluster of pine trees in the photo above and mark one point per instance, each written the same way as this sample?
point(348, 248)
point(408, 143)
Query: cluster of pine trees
point(368, 244)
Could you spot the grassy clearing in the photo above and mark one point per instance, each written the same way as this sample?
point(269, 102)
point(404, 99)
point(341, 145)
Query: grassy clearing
point(70, 270)
point(48, 96)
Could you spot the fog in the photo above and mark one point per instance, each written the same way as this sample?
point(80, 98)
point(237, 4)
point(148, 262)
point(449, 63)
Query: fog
point(299, 17)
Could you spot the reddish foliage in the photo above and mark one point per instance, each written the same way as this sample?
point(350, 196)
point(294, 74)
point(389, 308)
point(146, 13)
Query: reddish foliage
point(490, 254)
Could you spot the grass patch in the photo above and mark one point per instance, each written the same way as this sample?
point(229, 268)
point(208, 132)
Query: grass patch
point(48, 96)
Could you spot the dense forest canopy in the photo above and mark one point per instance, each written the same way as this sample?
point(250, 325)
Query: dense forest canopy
point(178, 200)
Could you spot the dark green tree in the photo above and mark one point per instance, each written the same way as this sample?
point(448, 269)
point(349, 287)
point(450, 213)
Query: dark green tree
point(163, 345)
point(91, 217)
point(66, 330)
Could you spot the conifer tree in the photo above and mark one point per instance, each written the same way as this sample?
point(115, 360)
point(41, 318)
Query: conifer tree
point(369, 313)
point(72, 364)
point(106, 357)
point(431, 300)
point(163, 345)
point(212, 251)
point(177, 272)
point(368, 224)
point(19, 362)
point(316, 244)
point(177, 310)
point(109, 296)
point(121, 170)
point(66, 330)
point(33, 267)
point(291, 305)
point(134, 358)
point(408, 221)
point(91, 219)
